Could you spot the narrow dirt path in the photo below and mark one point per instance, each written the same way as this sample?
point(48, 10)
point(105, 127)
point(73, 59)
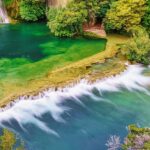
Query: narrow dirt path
point(96, 29)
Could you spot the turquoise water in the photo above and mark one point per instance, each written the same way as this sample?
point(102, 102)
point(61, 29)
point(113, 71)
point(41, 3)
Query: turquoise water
point(34, 42)
point(82, 117)
point(29, 52)
point(78, 118)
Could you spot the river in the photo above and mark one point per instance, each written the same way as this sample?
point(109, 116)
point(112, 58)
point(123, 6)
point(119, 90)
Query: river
point(84, 115)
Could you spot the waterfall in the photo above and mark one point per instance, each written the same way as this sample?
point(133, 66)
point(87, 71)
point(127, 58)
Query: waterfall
point(57, 3)
point(3, 13)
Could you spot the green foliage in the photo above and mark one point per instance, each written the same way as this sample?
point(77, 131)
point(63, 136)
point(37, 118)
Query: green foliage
point(52, 13)
point(8, 141)
point(138, 48)
point(68, 22)
point(32, 10)
point(146, 18)
point(92, 7)
point(138, 138)
point(125, 14)
point(104, 7)
point(8, 2)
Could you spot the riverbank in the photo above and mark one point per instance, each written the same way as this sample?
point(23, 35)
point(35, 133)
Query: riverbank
point(95, 67)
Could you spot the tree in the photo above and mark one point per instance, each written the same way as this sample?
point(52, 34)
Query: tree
point(32, 10)
point(146, 18)
point(51, 13)
point(104, 7)
point(92, 7)
point(125, 14)
point(68, 22)
point(138, 48)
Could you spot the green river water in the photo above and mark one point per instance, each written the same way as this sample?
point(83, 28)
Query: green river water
point(81, 117)
point(29, 50)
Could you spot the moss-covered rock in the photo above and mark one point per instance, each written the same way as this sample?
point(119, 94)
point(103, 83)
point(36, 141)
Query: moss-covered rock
point(8, 141)
point(137, 139)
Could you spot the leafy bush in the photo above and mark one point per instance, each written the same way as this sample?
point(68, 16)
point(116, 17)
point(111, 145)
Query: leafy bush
point(8, 2)
point(52, 13)
point(138, 48)
point(125, 14)
point(104, 7)
point(68, 22)
point(8, 141)
point(146, 18)
point(32, 10)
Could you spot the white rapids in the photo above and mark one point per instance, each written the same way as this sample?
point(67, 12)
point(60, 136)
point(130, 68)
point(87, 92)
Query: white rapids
point(26, 110)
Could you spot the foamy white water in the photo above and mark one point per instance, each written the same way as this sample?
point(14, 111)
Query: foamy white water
point(26, 110)
point(3, 13)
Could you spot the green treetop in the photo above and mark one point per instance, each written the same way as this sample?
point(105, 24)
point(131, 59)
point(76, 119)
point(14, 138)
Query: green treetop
point(124, 14)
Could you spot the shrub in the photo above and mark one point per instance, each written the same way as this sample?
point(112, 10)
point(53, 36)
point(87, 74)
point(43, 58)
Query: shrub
point(146, 18)
point(52, 13)
point(8, 141)
point(32, 10)
point(68, 21)
point(138, 48)
point(125, 14)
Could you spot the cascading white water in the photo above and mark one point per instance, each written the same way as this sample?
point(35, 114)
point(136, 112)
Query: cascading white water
point(28, 109)
point(3, 13)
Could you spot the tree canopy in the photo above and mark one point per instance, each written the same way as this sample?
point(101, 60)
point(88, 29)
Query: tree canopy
point(68, 21)
point(146, 18)
point(32, 10)
point(124, 14)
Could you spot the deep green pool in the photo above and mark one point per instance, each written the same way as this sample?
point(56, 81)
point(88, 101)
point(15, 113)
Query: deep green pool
point(28, 50)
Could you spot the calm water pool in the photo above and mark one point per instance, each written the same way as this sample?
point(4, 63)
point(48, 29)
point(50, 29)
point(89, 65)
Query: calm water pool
point(23, 44)
point(34, 42)
point(28, 52)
